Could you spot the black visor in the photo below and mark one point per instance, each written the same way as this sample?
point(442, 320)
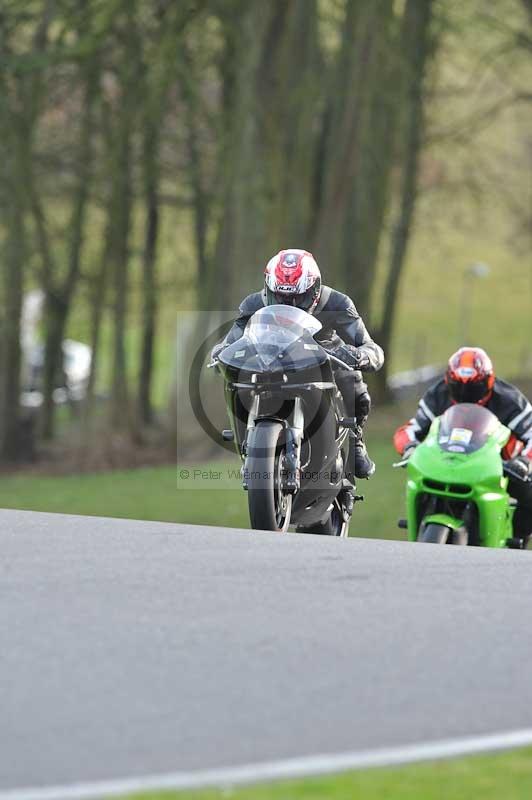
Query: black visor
point(468, 392)
point(303, 301)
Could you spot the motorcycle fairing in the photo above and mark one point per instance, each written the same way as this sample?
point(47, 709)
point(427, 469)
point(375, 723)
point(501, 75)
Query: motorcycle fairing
point(276, 339)
point(474, 474)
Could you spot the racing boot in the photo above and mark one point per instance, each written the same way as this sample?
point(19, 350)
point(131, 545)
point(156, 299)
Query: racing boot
point(522, 527)
point(348, 502)
point(359, 464)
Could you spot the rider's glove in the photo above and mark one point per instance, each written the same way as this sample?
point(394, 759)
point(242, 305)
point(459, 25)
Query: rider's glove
point(520, 467)
point(216, 350)
point(361, 359)
point(352, 356)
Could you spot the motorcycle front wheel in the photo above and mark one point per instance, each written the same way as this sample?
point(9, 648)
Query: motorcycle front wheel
point(269, 505)
point(441, 534)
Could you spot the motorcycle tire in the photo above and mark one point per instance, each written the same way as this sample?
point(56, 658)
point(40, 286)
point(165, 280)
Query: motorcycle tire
point(442, 534)
point(334, 525)
point(269, 507)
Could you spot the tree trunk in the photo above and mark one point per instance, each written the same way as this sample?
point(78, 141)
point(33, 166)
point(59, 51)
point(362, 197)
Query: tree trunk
point(342, 149)
point(16, 127)
point(379, 108)
point(60, 294)
point(291, 101)
point(418, 17)
point(149, 283)
point(241, 234)
point(201, 201)
point(122, 189)
point(97, 306)
point(56, 311)
point(14, 262)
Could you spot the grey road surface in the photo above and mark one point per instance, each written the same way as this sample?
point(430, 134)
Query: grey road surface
point(129, 648)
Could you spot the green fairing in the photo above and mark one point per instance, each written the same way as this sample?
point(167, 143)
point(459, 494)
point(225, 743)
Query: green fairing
point(481, 471)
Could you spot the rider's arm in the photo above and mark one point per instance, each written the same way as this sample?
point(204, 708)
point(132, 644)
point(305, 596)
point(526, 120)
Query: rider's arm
point(520, 423)
point(234, 333)
point(417, 428)
point(237, 329)
point(246, 309)
point(351, 328)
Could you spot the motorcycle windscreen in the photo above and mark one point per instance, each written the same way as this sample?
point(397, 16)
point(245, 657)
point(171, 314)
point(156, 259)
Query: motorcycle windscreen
point(466, 427)
point(276, 338)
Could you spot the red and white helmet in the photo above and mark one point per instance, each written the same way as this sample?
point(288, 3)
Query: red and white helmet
point(292, 277)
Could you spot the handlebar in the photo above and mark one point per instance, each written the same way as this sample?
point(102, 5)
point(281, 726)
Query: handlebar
point(511, 474)
point(505, 467)
point(215, 362)
point(401, 463)
point(339, 361)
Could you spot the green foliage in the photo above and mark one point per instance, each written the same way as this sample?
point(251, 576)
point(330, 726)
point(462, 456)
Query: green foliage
point(245, 127)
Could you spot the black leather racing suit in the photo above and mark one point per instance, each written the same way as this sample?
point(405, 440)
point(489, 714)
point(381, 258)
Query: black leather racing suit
point(341, 326)
point(513, 409)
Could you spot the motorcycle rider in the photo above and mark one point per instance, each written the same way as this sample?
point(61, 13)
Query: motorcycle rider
point(292, 277)
point(470, 378)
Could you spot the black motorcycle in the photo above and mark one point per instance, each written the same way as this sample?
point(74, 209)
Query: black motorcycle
point(287, 422)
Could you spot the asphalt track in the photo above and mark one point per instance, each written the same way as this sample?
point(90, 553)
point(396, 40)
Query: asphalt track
point(135, 648)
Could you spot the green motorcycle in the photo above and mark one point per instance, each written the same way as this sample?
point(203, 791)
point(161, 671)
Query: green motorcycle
point(457, 486)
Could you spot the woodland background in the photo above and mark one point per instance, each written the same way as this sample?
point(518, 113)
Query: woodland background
point(154, 154)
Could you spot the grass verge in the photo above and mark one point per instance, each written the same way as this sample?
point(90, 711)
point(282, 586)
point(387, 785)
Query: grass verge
point(148, 494)
point(505, 776)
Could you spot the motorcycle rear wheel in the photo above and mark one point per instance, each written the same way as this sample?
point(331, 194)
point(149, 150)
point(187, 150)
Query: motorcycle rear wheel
point(269, 506)
point(334, 525)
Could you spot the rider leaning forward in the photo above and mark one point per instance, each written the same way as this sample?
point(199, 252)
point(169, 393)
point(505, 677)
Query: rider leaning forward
point(292, 277)
point(470, 378)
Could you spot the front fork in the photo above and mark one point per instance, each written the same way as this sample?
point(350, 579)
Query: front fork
point(294, 437)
